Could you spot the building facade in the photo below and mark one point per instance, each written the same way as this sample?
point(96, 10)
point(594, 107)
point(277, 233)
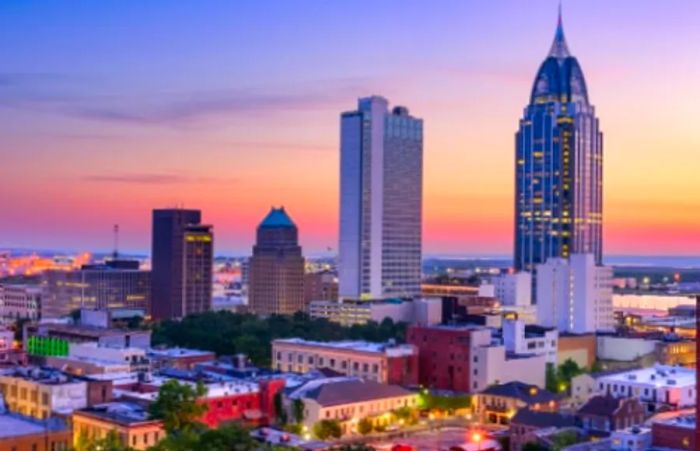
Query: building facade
point(40, 394)
point(276, 280)
point(349, 312)
point(513, 289)
point(559, 165)
point(129, 421)
point(381, 184)
point(575, 295)
point(383, 363)
point(467, 359)
point(182, 264)
point(320, 286)
point(107, 286)
point(20, 301)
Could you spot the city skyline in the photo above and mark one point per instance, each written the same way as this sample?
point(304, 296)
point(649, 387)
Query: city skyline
point(231, 130)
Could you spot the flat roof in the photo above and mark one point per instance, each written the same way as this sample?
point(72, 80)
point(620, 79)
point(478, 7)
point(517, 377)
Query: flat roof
point(12, 425)
point(178, 352)
point(353, 345)
point(125, 413)
point(657, 376)
point(218, 389)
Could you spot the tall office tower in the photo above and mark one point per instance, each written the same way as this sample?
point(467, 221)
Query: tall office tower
point(381, 191)
point(276, 277)
point(182, 259)
point(559, 165)
point(575, 295)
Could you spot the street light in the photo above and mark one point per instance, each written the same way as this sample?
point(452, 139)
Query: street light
point(476, 438)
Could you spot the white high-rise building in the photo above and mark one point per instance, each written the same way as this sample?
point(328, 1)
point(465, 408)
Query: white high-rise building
point(381, 186)
point(574, 295)
point(513, 288)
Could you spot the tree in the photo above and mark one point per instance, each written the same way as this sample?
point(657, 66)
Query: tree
point(280, 411)
point(365, 426)
point(532, 446)
point(326, 429)
point(177, 405)
point(298, 410)
point(226, 438)
point(551, 378)
point(110, 442)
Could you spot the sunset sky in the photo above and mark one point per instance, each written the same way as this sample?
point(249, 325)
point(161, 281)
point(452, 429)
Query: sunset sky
point(111, 108)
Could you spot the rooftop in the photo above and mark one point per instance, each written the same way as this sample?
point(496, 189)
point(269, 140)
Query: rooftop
point(123, 413)
point(349, 391)
point(13, 425)
point(178, 352)
point(43, 376)
point(681, 421)
point(277, 217)
point(541, 419)
point(656, 376)
point(393, 350)
point(529, 394)
point(602, 405)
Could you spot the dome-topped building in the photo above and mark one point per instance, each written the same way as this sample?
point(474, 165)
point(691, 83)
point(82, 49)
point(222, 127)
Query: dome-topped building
point(559, 165)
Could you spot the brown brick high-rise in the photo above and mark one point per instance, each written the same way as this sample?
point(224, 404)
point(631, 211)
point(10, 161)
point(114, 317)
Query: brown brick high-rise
point(276, 267)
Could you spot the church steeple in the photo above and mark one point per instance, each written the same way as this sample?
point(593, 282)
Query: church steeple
point(559, 48)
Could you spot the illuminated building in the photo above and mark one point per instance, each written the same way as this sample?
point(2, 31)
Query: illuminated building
point(385, 363)
point(574, 295)
point(559, 165)
point(381, 183)
point(117, 284)
point(20, 300)
point(276, 280)
point(182, 264)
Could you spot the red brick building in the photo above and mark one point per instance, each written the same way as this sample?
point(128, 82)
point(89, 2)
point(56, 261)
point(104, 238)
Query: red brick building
point(675, 433)
point(602, 415)
point(444, 355)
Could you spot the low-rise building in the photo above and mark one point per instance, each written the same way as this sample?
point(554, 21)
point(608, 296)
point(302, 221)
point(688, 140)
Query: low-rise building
point(581, 348)
point(635, 438)
point(530, 339)
point(348, 400)
point(181, 358)
point(130, 421)
point(604, 414)
point(227, 399)
point(68, 334)
point(40, 393)
point(350, 312)
point(658, 386)
point(675, 433)
point(469, 358)
point(499, 403)
point(21, 433)
point(380, 362)
point(527, 422)
point(20, 301)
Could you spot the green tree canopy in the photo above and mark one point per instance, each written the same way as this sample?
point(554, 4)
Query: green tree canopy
point(326, 429)
point(228, 333)
point(177, 405)
point(365, 426)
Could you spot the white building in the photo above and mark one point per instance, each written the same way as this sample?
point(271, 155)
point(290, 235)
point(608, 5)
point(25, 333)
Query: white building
point(657, 386)
point(19, 301)
point(530, 339)
point(635, 438)
point(492, 363)
point(381, 183)
point(575, 295)
point(135, 358)
point(513, 289)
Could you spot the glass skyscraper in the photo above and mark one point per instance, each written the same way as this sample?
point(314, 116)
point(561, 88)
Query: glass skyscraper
point(381, 193)
point(559, 165)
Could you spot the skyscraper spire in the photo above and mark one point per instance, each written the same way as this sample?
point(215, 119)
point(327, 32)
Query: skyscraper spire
point(559, 48)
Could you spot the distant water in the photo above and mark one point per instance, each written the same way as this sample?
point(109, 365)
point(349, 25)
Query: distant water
point(667, 261)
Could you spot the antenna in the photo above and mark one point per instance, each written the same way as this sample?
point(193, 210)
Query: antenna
point(115, 254)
